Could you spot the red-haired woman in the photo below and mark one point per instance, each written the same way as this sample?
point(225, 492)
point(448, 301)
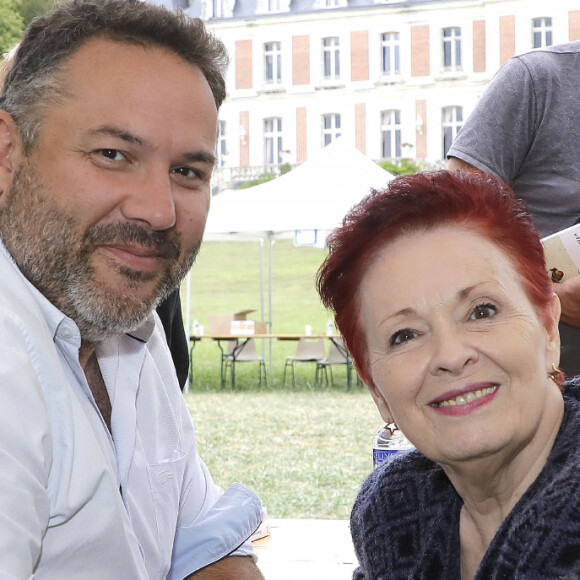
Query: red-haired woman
point(440, 289)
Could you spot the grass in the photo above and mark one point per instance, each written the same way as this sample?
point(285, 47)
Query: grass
point(226, 279)
point(304, 450)
point(304, 453)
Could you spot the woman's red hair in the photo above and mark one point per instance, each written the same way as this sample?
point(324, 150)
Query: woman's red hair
point(416, 203)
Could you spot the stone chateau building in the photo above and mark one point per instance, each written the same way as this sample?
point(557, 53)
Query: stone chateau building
point(396, 78)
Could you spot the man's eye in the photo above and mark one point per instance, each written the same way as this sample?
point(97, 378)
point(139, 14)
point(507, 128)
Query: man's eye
point(402, 336)
point(113, 154)
point(185, 172)
point(483, 311)
point(191, 177)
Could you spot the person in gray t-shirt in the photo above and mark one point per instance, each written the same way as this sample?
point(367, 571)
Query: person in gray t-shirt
point(525, 130)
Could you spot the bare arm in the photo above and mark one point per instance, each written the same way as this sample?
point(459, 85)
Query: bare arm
point(229, 568)
point(454, 163)
point(569, 294)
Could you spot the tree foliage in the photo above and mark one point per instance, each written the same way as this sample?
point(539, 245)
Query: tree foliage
point(29, 9)
point(282, 169)
point(404, 166)
point(10, 25)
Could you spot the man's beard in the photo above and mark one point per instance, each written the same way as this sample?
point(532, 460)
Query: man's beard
point(54, 254)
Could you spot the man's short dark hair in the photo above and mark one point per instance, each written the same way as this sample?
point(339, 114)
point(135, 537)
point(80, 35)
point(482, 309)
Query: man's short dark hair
point(35, 81)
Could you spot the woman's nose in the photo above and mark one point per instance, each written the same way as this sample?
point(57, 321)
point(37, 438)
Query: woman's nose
point(453, 351)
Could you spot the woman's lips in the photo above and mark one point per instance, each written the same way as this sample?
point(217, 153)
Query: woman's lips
point(465, 400)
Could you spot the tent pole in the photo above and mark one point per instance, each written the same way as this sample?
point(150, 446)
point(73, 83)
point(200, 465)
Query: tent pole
point(262, 304)
point(262, 307)
point(270, 244)
point(188, 319)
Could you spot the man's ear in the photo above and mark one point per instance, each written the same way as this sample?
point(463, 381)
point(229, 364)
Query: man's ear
point(10, 152)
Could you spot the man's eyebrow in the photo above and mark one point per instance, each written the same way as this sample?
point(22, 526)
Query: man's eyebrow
point(202, 156)
point(119, 133)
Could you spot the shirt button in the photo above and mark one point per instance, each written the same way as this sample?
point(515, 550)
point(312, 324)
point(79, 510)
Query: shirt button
point(66, 332)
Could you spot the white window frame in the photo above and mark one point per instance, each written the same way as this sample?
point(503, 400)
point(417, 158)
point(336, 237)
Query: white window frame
point(331, 128)
point(217, 8)
point(542, 32)
point(451, 57)
point(272, 63)
point(451, 123)
point(390, 54)
point(391, 134)
point(221, 144)
point(331, 58)
point(273, 141)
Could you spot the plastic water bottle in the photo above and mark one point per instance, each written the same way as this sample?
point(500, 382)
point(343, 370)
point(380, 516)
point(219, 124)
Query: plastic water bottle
point(195, 328)
point(329, 328)
point(386, 442)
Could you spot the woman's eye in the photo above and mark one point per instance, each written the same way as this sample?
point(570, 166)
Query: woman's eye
point(402, 336)
point(483, 311)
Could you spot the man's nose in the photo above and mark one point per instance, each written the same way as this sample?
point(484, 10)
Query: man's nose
point(151, 201)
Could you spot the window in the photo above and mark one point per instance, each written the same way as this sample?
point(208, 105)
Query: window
point(272, 63)
point(452, 121)
point(391, 134)
point(273, 141)
point(274, 6)
point(331, 58)
point(452, 49)
point(217, 7)
point(541, 32)
point(221, 146)
point(390, 58)
point(330, 128)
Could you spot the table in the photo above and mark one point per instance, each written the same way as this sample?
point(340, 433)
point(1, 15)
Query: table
point(306, 550)
point(243, 338)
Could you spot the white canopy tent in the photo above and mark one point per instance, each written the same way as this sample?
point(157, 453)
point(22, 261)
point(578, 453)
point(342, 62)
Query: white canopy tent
point(315, 196)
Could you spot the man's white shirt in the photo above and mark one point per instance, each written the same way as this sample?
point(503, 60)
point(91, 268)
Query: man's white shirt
point(77, 501)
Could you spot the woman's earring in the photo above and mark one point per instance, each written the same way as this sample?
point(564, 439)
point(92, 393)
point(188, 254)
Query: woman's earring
point(558, 376)
point(392, 425)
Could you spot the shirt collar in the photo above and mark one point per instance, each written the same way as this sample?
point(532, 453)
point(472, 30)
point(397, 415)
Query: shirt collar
point(144, 332)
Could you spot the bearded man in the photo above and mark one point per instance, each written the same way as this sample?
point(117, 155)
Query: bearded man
point(108, 125)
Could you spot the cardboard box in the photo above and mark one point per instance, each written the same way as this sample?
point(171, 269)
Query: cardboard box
point(222, 324)
point(260, 327)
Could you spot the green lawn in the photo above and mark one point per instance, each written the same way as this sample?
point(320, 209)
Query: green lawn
point(305, 450)
point(304, 453)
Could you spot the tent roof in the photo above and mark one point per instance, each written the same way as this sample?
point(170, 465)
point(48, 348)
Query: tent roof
point(314, 196)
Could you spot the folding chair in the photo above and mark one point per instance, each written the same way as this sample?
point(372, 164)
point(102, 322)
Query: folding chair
point(241, 352)
point(307, 351)
point(337, 355)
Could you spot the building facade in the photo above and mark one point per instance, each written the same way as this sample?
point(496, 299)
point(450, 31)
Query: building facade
point(396, 78)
